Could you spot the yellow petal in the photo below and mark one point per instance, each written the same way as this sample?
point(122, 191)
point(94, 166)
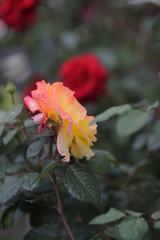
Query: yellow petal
point(83, 148)
point(62, 145)
point(75, 151)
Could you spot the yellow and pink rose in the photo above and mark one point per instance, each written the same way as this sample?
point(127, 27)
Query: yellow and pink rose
point(55, 102)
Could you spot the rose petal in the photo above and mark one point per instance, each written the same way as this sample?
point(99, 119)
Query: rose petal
point(83, 148)
point(39, 118)
point(31, 104)
point(62, 146)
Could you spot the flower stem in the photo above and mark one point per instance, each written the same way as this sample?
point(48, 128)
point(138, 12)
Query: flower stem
point(60, 211)
point(12, 96)
point(59, 207)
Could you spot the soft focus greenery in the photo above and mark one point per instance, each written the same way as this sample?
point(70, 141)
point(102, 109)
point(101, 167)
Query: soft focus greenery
point(116, 195)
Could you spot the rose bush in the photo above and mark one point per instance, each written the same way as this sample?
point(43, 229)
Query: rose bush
point(18, 14)
point(85, 75)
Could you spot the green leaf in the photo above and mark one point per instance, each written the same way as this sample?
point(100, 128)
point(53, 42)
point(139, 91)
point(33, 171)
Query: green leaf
point(82, 184)
point(98, 236)
point(153, 142)
point(28, 179)
point(140, 141)
point(133, 214)
point(8, 217)
point(157, 128)
point(29, 123)
point(131, 122)
point(10, 168)
point(13, 113)
point(2, 116)
point(100, 162)
point(2, 174)
point(129, 229)
point(111, 216)
point(41, 233)
point(156, 215)
point(156, 225)
point(9, 136)
point(9, 188)
point(136, 2)
point(154, 105)
point(126, 168)
point(48, 232)
point(1, 129)
point(34, 149)
point(118, 110)
point(47, 168)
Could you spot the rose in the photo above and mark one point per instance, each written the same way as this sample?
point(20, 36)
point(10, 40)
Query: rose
point(18, 13)
point(55, 105)
point(85, 75)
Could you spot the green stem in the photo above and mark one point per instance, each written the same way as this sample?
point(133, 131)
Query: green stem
point(12, 96)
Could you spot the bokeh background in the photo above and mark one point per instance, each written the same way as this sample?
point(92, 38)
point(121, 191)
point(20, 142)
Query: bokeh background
point(123, 34)
point(38, 37)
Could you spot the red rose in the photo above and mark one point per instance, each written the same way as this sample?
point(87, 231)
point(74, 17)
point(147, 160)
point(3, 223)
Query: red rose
point(18, 13)
point(86, 76)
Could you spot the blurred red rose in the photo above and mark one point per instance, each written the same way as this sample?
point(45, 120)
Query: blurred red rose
point(18, 13)
point(31, 86)
point(86, 76)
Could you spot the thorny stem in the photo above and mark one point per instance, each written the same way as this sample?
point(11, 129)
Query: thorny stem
point(59, 207)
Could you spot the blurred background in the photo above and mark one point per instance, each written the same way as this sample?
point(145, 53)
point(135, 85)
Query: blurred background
point(39, 38)
point(123, 34)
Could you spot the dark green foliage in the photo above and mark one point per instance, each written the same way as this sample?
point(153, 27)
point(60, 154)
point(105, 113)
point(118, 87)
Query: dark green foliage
point(28, 181)
point(131, 122)
point(111, 216)
point(131, 228)
point(100, 163)
point(13, 113)
point(48, 232)
point(82, 184)
point(9, 188)
point(7, 218)
point(34, 149)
